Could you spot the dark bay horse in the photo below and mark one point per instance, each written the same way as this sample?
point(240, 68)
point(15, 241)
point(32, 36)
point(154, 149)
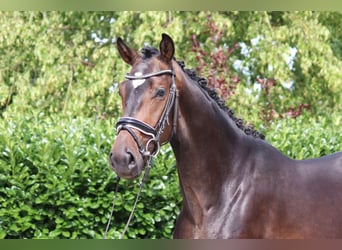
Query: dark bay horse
point(234, 184)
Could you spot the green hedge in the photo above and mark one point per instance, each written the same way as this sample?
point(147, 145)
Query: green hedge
point(55, 181)
point(307, 136)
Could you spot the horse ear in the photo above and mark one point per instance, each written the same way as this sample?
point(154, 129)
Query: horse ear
point(167, 48)
point(127, 54)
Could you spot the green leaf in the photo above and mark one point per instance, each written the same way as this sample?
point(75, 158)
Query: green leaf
point(66, 234)
point(2, 234)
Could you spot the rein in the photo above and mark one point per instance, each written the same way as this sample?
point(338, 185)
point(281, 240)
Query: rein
point(129, 123)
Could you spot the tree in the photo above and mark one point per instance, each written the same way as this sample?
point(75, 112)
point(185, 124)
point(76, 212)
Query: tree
point(65, 61)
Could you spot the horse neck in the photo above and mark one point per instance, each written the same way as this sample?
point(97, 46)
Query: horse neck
point(204, 143)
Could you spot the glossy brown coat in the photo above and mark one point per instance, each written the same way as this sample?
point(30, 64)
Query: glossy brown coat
point(233, 185)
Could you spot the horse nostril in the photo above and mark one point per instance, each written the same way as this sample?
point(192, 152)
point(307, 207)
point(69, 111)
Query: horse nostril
point(123, 160)
point(111, 159)
point(131, 160)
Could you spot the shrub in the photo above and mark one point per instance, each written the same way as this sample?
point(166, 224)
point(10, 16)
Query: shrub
point(55, 182)
point(307, 136)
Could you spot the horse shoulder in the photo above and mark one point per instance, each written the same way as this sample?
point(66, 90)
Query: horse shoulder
point(255, 204)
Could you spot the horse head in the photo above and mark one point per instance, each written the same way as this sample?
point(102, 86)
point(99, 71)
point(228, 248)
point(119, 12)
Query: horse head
point(148, 97)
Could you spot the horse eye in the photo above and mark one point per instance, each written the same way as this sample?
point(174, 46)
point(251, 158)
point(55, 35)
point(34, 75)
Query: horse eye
point(160, 92)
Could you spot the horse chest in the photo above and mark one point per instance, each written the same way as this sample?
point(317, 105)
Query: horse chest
point(230, 220)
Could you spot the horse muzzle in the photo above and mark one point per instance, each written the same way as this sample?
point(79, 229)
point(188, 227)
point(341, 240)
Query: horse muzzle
point(125, 159)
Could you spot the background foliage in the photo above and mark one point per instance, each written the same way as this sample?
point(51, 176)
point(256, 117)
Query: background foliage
point(280, 71)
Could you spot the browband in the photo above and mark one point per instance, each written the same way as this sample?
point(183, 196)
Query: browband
point(162, 72)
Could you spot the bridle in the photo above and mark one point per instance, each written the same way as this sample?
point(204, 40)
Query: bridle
point(130, 123)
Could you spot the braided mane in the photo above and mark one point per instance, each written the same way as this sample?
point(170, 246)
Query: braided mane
point(148, 52)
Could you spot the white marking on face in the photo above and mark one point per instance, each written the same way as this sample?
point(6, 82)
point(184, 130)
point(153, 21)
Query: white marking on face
point(137, 83)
